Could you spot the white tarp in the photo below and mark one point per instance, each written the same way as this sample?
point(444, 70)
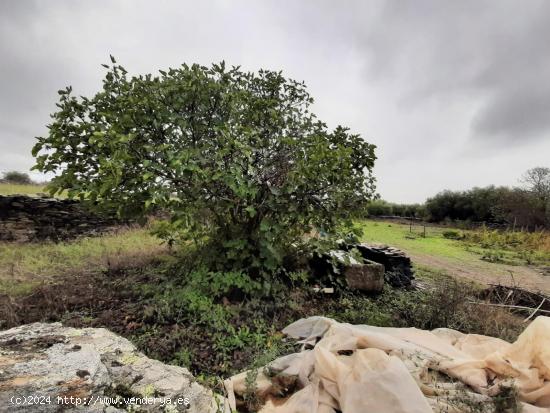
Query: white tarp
point(365, 369)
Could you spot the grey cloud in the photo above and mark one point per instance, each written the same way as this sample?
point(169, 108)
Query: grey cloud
point(516, 114)
point(496, 53)
point(415, 77)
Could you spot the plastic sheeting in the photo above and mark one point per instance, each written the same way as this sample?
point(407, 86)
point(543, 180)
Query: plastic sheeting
point(365, 369)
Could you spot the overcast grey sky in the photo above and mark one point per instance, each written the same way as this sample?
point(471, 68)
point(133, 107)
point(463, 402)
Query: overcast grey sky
point(455, 94)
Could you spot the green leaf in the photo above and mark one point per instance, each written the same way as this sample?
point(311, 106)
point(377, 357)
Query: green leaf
point(213, 146)
point(251, 211)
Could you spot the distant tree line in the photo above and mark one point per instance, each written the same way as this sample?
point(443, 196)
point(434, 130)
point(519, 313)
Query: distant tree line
point(526, 207)
point(381, 208)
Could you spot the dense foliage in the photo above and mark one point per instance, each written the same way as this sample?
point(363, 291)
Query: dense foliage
point(381, 208)
point(514, 207)
point(526, 207)
point(477, 204)
point(235, 157)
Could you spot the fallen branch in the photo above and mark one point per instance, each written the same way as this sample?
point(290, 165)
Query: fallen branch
point(519, 290)
point(515, 307)
point(536, 309)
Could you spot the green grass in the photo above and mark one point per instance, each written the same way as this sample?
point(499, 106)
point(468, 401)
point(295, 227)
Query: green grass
point(400, 236)
point(512, 248)
point(27, 189)
point(23, 266)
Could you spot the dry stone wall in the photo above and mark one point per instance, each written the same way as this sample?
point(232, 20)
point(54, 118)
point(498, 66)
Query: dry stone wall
point(26, 218)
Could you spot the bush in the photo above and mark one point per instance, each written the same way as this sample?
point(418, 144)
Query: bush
point(444, 305)
point(514, 207)
point(378, 208)
point(477, 205)
point(451, 234)
point(15, 177)
point(408, 210)
point(236, 158)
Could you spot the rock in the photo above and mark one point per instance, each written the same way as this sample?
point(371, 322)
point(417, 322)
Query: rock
point(368, 277)
point(61, 369)
point(343, 257)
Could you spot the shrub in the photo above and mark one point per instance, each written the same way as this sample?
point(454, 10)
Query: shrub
point(477, 205)
point(236, 158)
point(515, 207)
point(378, 208)
point(15, 177)
point(451, 234)
point(445, 304)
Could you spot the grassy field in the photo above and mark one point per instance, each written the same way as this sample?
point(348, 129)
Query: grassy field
point(480, 255)
point(515, 248)
point(24, 266)
point(23, 189)
point(401, 236)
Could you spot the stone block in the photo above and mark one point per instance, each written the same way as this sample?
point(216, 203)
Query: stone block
point(368, 277)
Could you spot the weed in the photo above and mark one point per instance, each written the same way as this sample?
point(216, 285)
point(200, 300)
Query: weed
point(218, 324)
point(182, 357)
point(493, 256)
point(452, 234)
point(23, 266)
point(507, 400)
point(445, 304)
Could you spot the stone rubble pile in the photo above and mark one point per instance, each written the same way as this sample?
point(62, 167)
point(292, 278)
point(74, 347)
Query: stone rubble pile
point(376, 266)
point(27, 218)
point(397, 265)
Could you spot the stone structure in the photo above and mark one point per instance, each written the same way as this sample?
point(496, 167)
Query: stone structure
point(368, 277)
point(398, 267)
point(51, 368)
point(380, 264)
point(25, 218)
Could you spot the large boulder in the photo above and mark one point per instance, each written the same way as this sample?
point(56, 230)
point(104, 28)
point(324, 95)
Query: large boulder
point(51, 368)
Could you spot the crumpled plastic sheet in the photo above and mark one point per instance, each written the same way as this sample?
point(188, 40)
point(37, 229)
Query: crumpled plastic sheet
point(363, 369)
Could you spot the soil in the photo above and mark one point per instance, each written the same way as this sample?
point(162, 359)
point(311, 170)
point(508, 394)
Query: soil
point(109, 301)
point(529, 278)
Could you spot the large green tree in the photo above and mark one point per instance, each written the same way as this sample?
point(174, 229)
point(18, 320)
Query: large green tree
point(235, 157)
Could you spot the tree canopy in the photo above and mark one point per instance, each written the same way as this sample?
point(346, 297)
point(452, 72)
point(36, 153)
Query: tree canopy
point(16, 177)
point(236, 157)
point(537, 181)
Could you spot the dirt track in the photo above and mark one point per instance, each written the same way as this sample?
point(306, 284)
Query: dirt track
point(489, 273)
